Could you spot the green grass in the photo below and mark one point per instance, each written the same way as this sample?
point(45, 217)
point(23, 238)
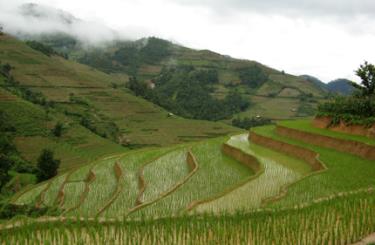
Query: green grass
point(216, 173)
point(31, 195)
point(306, 126)
point(131, 164)
point(72, 194)
point(20, 180)
point(57, 79)
point(101, 189)
point(161, 175)
point(345, 172)
point(279, 170)
point(344, 220)
point(51, 195)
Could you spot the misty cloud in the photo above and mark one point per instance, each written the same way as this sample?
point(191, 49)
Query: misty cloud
point(324, 38)
point(32, 19)
point(319, 8)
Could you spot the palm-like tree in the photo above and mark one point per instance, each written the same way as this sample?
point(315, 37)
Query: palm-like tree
point(367, 74)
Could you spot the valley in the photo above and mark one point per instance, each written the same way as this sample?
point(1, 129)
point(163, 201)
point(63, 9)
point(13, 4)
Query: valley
point(151, 142)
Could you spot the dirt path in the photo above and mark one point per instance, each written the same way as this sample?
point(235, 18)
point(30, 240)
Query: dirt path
point(367, 240)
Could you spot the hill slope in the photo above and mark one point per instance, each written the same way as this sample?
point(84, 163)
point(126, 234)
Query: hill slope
point(339, 86)
point(87, 98)
point(148, 59)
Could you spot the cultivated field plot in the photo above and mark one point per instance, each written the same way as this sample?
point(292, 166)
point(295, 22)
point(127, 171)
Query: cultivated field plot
point(279, 170)
point(343, 220)
point(51, 194)
point(345, 173)
point(215, 174)
point(101, 189)
point(158, 182)
point(306, 126)
point(30, 196)
point(163, 174)
point(131, 165)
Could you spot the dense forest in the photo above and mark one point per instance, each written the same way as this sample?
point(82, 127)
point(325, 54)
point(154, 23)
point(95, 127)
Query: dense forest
point(186, 91)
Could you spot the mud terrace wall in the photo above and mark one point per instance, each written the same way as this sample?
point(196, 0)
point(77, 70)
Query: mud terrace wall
point(307, 155)
point(241, 157)
point(325, 122)
point(348, 146)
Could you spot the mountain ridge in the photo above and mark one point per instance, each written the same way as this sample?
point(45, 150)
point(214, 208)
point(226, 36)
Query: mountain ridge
point(340, 86)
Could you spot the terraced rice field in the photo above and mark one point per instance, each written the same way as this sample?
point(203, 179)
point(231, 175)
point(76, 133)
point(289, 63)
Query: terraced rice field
point(101, 189)
point(346, 172)
point(51, 194)
point(131, 165)
point(306, 126)
point(162, 174)
point(30, 196)
point(72, 194)
point(280, 201)
point(216, 173)
point(279, 170)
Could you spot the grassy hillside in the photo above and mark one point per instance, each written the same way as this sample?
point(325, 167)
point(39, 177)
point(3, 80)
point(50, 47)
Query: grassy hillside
point(345, 172)
point(154, 183)
point(148, 58)
point(89, 98)
point(33, 127)
point(156, 189)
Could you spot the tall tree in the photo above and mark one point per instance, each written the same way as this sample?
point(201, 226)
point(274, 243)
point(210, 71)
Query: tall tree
point(47, 165)
point(367, 74)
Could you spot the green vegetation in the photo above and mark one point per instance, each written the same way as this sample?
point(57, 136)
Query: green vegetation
point(247, 123)
point(253, 76)
point(47, 165)
point(359, 108)
point(163, 174)
point(185, 91)
point(149, 59)
point(343, 220)
point(340, 177)
point(188, 191)
point(44, 48)
point(351, 110)
point(93, 111)
point(58, 129)
point(305, 125)
point(128, 56)
point(278, 171)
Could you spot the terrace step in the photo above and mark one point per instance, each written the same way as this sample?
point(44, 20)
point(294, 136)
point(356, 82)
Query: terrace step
point(348, 146)
point(251, 193)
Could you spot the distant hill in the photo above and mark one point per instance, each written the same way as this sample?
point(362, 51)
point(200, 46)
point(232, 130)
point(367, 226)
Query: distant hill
point(99, 113)
point(271, 93)
point(315, 80)
point(339, 86)
point(198, 84)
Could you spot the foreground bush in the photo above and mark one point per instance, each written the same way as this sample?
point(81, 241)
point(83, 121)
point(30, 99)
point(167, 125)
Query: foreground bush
point(337, 221)
point(351, 110)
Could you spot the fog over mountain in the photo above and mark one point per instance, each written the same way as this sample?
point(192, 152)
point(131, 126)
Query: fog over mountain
point(33, 19)
point(326, 38)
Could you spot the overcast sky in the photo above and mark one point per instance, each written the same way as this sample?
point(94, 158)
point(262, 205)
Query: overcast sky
point(324, 38)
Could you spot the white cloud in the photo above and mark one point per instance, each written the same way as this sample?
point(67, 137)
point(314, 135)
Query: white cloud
point(327, 39)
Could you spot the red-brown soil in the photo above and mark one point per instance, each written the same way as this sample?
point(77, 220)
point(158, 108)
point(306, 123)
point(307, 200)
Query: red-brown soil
point(348, 146)
point(325, 122)
point(307, 155)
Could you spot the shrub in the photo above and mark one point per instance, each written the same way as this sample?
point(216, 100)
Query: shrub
point(352, 110)
point(58, 129)
point(253, 76)
point(247, 122)
point(47, 165)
